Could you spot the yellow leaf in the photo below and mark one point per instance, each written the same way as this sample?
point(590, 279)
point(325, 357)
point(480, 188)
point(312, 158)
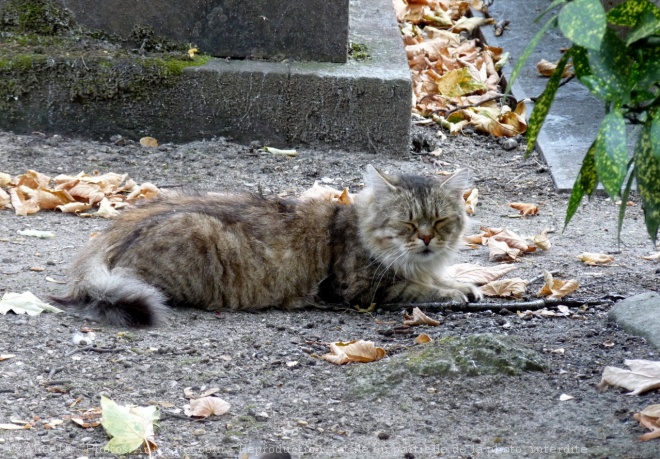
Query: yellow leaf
point(458, 82)
point(419, 318)
point(192, 52)
point(595, 259)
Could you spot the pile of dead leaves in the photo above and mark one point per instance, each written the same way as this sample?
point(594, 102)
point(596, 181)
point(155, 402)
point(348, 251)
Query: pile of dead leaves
point(455, 81)
point(31, 192)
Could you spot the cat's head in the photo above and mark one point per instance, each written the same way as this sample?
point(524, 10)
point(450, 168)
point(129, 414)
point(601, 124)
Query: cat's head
point(411, 221)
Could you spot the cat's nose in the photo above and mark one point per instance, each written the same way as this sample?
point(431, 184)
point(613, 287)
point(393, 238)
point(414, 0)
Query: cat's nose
point(425, 237)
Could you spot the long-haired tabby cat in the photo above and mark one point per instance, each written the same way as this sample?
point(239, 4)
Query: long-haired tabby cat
point(245, 251)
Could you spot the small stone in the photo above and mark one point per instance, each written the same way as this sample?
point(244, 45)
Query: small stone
point(383, 435)
point(263, 416)
point(199, 432)
point(302, 423)
point(509, 144)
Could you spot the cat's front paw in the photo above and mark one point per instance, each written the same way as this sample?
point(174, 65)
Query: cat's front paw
point(470, 292)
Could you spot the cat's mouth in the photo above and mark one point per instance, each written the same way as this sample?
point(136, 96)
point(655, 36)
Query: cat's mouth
point(426, 252)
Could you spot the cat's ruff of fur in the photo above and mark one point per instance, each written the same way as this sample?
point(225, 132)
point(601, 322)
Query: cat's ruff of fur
point(245, 251)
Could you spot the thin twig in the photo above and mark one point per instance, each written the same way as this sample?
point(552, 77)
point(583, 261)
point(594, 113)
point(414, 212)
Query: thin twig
point(53, 371)
point(563, 82)
point(58, 382)
point(514, 306)
point(540, 277)
point(96, 349)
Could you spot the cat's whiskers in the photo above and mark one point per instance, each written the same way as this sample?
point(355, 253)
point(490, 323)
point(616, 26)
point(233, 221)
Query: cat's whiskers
point(385, 270)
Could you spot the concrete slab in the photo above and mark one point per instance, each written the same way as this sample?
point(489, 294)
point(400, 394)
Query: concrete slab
point(360, 105)
point(315, 30)
point(639, 315)
point(575, 115)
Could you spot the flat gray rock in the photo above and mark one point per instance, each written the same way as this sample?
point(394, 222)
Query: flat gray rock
point(640, 315)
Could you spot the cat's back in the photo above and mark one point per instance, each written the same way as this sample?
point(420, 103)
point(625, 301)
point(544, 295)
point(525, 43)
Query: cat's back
point(234, 251)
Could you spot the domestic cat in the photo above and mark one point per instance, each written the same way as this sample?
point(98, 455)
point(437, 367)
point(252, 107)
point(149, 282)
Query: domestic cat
point(246, 251)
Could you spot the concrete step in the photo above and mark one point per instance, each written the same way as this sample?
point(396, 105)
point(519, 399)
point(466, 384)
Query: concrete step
point(358, 105)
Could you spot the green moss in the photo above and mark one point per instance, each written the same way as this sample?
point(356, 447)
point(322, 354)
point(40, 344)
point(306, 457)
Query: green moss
point(358, 51)
point(45, 17)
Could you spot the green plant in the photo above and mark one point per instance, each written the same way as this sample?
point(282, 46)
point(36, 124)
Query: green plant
point(616, 56)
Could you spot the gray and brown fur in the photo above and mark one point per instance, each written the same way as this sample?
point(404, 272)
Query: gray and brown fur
point(245, 251)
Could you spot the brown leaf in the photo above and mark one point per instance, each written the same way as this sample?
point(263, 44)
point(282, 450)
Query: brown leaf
point(555, 288)
point(149, 142)
point(419, 318)
point(513, 240)
point(644, 375)
point(206, 406)
point(106, 210)
point(22, 206)
point(466, 272)
point(595, 259)
point(546, 68)
point(471, 201)
point(74, 207)
point(354, 351)
point(45, 198)
point(650, 423)
point(500, 250)
point(146, 191)
point(5, 200)
point(505, 287)
point(525, 208)
point(423, 339)
point(541, 240)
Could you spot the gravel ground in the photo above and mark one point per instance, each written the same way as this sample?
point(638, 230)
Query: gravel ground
point(311, 408)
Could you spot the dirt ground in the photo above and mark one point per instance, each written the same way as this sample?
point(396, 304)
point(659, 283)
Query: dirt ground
point(281, 395)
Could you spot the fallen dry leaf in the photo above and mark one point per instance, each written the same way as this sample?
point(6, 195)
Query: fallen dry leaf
point(595, 259)
point(643, 376)
point(423, 339)
point(562, 311)
point(546, 68)
point(652, 257)
point(326, 193)
point(206, 406)
point(505, 287)
point(419, 318)
point(149, 142)
point(6, 356)
point(650, 422)
point(565, 397)
point(541, 240)
point(525, 208)
point(500, 250)
point(555, 288)
point(354, 351)
point(5, 179)
point(466, 272)
point(471, 201)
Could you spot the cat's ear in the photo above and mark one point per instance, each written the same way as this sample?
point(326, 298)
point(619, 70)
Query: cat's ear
point(377, 180)
point(457, 183)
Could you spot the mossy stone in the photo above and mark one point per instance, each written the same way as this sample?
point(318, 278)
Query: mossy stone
point(471, 356)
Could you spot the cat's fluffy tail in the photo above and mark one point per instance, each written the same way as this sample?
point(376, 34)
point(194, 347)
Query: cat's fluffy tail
point(115, 297)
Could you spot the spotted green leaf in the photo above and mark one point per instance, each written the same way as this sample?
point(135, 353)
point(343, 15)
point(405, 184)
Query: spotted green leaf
point(647, 25)
point(612, 64)
point(612, 152)
point(586, 183)
point(628, 13)
point(597, 87)
point(647, 172)
point(649, 67)
point(583, 22)
point(544, 102)
point(129, 426)
point(527, 52)
point(580, 61)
